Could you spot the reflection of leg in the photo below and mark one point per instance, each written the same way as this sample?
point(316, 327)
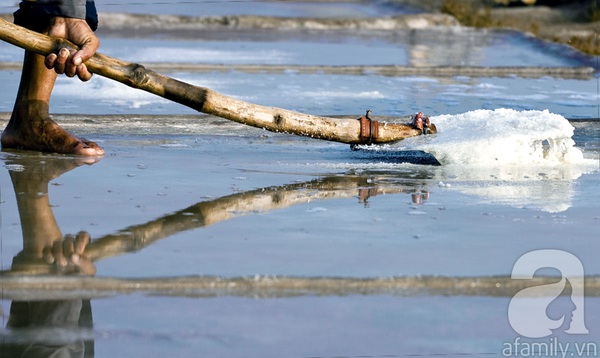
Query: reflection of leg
point(48, 321)
point(39, 226)
point(86, 321)
point(30, 125)
point(74, 313)
point(37, 219)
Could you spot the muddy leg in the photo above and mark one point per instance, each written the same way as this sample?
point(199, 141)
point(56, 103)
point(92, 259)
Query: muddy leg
point(30, 126)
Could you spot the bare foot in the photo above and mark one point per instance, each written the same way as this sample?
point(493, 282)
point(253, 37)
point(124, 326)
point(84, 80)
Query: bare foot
point(31, 128)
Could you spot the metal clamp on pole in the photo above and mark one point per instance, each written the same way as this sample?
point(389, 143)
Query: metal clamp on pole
point(369, 129)
point(422, 123)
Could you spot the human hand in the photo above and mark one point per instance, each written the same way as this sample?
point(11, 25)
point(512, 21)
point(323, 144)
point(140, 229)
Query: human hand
point(67, 255)
point(71, 62)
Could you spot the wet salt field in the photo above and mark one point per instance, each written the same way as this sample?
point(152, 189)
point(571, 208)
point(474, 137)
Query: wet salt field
point(210, 238)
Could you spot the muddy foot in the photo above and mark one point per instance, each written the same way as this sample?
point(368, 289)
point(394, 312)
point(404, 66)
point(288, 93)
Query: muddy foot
point(32, 128)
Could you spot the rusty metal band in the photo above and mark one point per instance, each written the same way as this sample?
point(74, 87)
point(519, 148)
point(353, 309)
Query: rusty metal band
point(369, 130)
point(365, 193)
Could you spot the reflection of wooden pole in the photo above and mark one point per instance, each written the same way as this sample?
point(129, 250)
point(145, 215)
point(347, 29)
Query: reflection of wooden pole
point(208, 101)
point(207, 213)
point(62, 287)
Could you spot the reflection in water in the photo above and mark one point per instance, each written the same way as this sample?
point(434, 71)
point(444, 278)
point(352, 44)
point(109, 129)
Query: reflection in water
point(63, 327)
point(38, 324)
point(57, 328)
point(41, 232)
point(439, 48)
point(47, 328)
point(549, 189)
point(260, 200)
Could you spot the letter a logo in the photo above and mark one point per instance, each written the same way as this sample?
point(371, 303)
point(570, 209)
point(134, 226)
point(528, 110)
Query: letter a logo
point(527, 311)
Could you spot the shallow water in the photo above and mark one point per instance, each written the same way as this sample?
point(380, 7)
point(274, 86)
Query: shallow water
point(301, 208)
point(180, 195)
point(324, 94)
point(352, 9)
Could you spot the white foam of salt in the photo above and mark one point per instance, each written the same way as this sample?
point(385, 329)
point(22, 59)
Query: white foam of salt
point(501, 137)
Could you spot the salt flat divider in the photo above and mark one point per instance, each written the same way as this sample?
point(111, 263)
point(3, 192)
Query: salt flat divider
point(582, 73)
point(68, 287)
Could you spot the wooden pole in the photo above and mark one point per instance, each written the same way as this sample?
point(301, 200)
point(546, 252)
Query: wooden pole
point(345, 130)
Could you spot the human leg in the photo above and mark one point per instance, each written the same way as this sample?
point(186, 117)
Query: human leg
point(30, 126)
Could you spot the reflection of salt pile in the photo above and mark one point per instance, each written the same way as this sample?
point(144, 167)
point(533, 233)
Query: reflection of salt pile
point(503, 136)
point(550, 192)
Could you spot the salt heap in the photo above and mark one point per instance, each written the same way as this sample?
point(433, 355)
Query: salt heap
point(499, 137)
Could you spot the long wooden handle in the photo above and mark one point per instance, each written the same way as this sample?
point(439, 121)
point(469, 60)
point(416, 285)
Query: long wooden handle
point(345, 130)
